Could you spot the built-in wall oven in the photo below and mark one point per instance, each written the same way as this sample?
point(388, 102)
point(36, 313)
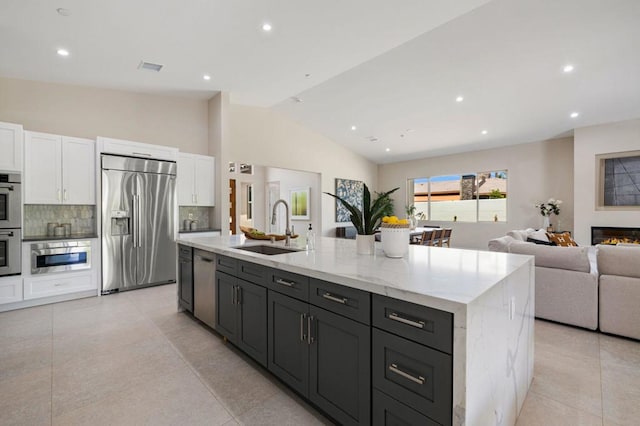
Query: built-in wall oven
point(10, 224)
point(60, 256)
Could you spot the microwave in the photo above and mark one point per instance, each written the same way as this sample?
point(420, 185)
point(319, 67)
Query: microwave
point(60, 256)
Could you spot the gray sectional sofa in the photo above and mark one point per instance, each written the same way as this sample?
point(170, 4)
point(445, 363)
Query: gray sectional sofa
point(590, 287)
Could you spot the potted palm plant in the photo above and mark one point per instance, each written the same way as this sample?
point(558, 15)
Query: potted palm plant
point(367, 220)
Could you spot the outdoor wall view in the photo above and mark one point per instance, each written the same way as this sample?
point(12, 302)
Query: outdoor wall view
point(469, 197)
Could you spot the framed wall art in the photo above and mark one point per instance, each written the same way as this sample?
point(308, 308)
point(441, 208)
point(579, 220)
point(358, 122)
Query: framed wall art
point(299, 201)
point(618, 181)
point(350, 190)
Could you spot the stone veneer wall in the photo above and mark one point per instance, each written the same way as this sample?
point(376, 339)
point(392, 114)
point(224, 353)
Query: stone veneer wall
point(203, 215)
point(36, 217)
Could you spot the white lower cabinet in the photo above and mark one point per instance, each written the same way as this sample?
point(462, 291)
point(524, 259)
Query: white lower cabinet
point(56, 284)
point(10, 289)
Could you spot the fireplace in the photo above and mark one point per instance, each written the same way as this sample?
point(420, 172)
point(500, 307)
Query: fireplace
point(613, 235)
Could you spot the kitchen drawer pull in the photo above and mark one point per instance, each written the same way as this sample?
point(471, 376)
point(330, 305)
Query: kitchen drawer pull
point(341, 300)
point(396, 317)
point(285, 282)
point(310, 338)
point(7, 233)
point(204, 259)
point(141, 153)
point(419, 380)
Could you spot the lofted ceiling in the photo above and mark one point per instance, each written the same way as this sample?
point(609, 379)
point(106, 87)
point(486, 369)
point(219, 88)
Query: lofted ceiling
point(392, 69)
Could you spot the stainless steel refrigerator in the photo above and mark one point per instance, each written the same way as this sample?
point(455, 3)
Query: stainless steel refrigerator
point(138, 222)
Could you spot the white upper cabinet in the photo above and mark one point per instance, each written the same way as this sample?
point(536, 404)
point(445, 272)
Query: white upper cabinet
point(136, 149)
point(196, 180)
point(59, 169)
point(10, 147)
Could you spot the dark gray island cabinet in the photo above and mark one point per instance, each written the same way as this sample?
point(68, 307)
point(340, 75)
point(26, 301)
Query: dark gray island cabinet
point(439, 337)
point(317, 337)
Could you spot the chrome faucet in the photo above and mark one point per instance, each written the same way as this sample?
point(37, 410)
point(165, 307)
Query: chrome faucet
point(287, 230)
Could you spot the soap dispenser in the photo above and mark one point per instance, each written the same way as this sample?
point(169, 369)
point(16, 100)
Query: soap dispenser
point(311, 238)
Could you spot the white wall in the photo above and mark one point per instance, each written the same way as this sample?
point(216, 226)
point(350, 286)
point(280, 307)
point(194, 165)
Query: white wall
point(536, 172)
point(293, 179)
point(589, 142)
point(89, 112)
point(262, 136)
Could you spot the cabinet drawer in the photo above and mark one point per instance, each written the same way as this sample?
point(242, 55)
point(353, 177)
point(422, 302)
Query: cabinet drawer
point(10, 289)
point(417, 375)
point(226, 264)
point(349, 302)
point(34, 288)
point(428, 326)
point(389, 412)
point(185, 251)
point(252, 272)
point(288, 283)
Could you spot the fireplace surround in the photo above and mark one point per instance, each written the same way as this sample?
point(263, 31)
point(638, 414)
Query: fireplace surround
point(614, 235)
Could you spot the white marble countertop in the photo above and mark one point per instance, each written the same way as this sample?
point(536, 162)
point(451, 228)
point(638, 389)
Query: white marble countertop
point(445, 278)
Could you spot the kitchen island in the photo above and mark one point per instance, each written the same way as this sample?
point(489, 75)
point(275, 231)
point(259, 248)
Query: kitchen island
point(488, 298)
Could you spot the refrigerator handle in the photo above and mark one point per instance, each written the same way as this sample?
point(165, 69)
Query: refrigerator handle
point(134, 222)
point(138, 219)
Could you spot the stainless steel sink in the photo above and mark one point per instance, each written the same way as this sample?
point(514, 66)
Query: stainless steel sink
point(268, 250)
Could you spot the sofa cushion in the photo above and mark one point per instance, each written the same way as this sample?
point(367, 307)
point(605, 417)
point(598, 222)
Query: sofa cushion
point(544, 243)
point(570, 258)
point(562, 240)
point(502, 244)
point(520, 234)
point(618, 260)
point(540, 235)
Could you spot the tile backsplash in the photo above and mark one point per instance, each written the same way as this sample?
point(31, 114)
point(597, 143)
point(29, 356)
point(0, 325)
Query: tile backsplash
point(36, 217)
point(202, 214)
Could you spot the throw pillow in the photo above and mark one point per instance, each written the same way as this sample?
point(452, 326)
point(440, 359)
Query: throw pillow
point(563, 240)
point(540, 235)
point(544, 243)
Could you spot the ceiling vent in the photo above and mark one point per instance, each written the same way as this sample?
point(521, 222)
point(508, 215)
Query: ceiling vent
point(149, 66)
point(373, 139)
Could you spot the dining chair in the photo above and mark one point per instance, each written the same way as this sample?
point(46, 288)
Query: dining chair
point(436, 239)
point(446, 237)
point(425, 240)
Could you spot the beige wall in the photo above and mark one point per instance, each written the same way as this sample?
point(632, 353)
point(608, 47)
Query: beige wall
point(589, 142)
point(264, 137)
point(537, 172)
point(90, 112)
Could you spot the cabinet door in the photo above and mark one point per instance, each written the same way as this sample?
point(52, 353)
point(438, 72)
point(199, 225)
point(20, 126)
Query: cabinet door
point(186, 183)
point(340, 367)
point(11, 147)
point(226, 318)
point(78, 171)
point(204, 180)
point(43, 169)
point(288, 347)
point(252, 325)
point(10, 289)
point(185, 285)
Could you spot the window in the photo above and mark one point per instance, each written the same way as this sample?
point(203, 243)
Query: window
point(468, 197)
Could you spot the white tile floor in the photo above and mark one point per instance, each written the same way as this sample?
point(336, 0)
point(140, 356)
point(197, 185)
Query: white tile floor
point(130, 358)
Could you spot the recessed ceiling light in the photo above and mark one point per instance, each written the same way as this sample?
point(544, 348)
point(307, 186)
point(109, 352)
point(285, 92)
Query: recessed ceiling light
point(266, 27)
point(206, 77)
point(575, 114)
point(484, 132)
point(63, 12)
point(388, 149)
point(568, 68)
point(63, 52)
point(354, 128)
point(459, 99)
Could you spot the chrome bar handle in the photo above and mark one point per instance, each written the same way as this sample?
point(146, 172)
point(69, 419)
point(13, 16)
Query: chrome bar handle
point(310, 337)
point(238, 295)
point(285, 282)
point(233, 295)
point(139, 220)
point(396, 317)
point(141, 153)
point(134, 220)
point(7, 233)
point(303, 336)
point(419, 380)
point(341, 300)
point(64, 197)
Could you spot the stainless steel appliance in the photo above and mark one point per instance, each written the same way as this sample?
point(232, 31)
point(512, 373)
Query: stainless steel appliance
point(138, 222)
point(204, 287)
point(60, 256)
point(10, 224)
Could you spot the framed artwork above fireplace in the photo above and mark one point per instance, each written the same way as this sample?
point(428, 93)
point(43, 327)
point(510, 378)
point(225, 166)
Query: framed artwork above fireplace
point(618, 181)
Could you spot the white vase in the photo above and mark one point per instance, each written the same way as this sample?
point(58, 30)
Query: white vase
point(365, 244)
point(395, 241)
point(545, 223)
